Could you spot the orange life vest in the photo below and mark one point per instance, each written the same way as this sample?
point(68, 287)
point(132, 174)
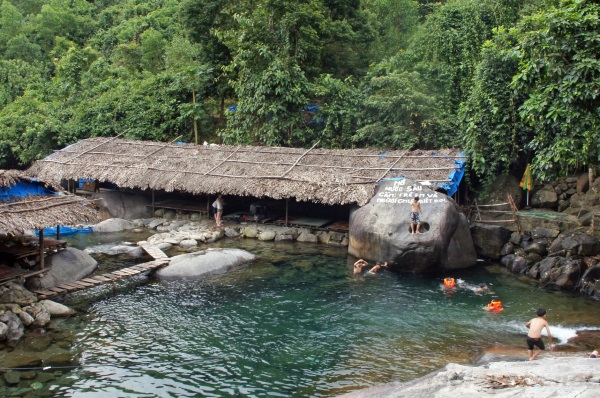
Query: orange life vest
point(449, 282)
point(495, 306)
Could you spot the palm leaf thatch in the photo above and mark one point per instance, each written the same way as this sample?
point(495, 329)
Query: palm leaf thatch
point(318, 175)
point(23, 213)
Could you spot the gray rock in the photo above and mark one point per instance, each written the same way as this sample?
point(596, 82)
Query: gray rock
point(283, 237)
point(380, 230)
point(132, 251)
point(576, 242)
point(515, 238)
point(169, 214)
point(508, 248)
point(57, 309)
point(3, 331)
point(489, 240)
point(40, 315)
point(544, 233)
point(156, 222)
point(324, 238)
point(187, 243)
point(66, 266)
point(267, 235)
point(164, 246)
point(250, 232)
point(545, 198)
point(113, 225)
point(231, 232)
point(583, 183)
point(307, 237)
point(548, 376)
point(205, 263)
point(15, 328)
point(537, 248)
point(25, 318)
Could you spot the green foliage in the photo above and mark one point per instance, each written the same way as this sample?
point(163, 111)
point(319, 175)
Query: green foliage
point(559, 72)
point(382, 73)
point(495, 137)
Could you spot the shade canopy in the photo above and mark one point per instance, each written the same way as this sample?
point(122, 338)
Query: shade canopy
point(329, 176)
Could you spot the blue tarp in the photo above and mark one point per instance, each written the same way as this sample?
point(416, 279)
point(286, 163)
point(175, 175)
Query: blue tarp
point(64, 230)
point(22, 189)
point(454, 178)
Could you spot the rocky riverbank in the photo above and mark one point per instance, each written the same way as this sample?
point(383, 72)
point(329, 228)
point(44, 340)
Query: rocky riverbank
point(553, 375)
point(20, 309)
point(558, 240)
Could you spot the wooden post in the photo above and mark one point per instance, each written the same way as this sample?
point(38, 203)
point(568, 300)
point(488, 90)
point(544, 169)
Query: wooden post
point(208, 206)
point(58, 232)
point(153, 203)
point(287, 201)
point(41, 249)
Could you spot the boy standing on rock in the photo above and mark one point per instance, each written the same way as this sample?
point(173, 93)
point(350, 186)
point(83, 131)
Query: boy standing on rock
point(534, 337)
point(415, 214)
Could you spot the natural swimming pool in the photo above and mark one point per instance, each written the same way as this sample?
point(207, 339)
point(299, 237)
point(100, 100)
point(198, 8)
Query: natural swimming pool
point(295, 323)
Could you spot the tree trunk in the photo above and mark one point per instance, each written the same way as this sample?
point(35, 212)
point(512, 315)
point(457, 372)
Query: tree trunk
point(195, 121)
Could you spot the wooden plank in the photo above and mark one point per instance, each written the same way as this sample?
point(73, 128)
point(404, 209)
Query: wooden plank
point(89, 280)
point(44, 292)
point(57, 290)
point(100, 278)
point(68, 286)
point(129, 271)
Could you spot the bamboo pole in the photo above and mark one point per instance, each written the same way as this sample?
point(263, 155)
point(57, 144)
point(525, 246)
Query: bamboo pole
point(41, 240)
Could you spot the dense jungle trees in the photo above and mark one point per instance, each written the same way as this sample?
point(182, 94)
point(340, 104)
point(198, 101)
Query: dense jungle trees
point(508, 80)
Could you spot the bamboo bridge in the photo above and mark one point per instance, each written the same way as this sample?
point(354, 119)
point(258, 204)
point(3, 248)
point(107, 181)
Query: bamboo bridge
point(160, 260)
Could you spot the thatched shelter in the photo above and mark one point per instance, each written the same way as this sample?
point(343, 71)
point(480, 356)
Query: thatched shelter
point(20, 213)
point(318, 175)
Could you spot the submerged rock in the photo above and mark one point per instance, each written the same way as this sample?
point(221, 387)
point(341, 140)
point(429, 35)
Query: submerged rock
point(204, 263)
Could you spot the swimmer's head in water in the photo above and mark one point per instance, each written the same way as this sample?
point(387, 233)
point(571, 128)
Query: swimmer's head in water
point(541, 312)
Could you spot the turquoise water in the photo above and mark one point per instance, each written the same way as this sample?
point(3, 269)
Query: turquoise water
point(295, 323)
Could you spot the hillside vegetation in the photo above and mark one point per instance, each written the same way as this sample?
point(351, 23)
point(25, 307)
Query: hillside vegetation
point(509, 81)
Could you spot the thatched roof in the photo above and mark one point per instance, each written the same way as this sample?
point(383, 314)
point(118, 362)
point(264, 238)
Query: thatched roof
point(19, 214)
point(318, 175)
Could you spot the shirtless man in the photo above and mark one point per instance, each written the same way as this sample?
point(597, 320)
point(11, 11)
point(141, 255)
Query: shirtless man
point(359, 265)
point(534, 337)
point(415, 214)
point(378, 267)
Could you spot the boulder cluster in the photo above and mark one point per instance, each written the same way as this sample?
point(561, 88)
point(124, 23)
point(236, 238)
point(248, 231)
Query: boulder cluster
point(569, 262)
point(20, 309)
point(560, 246)
point(187, 234)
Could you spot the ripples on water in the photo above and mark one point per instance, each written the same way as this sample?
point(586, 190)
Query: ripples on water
point(294, 323)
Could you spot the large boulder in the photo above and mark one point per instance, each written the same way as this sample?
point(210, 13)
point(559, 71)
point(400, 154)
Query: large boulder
point(66, 266)
point(202, 264)
point(113, 225)
point(380, 230)
point(489, 240)
point(121, 204)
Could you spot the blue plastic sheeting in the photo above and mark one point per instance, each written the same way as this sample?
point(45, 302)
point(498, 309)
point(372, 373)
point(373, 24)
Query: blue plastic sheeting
point(22, 189)
point(454, 178)
point(83, 181)
point(64, 230)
